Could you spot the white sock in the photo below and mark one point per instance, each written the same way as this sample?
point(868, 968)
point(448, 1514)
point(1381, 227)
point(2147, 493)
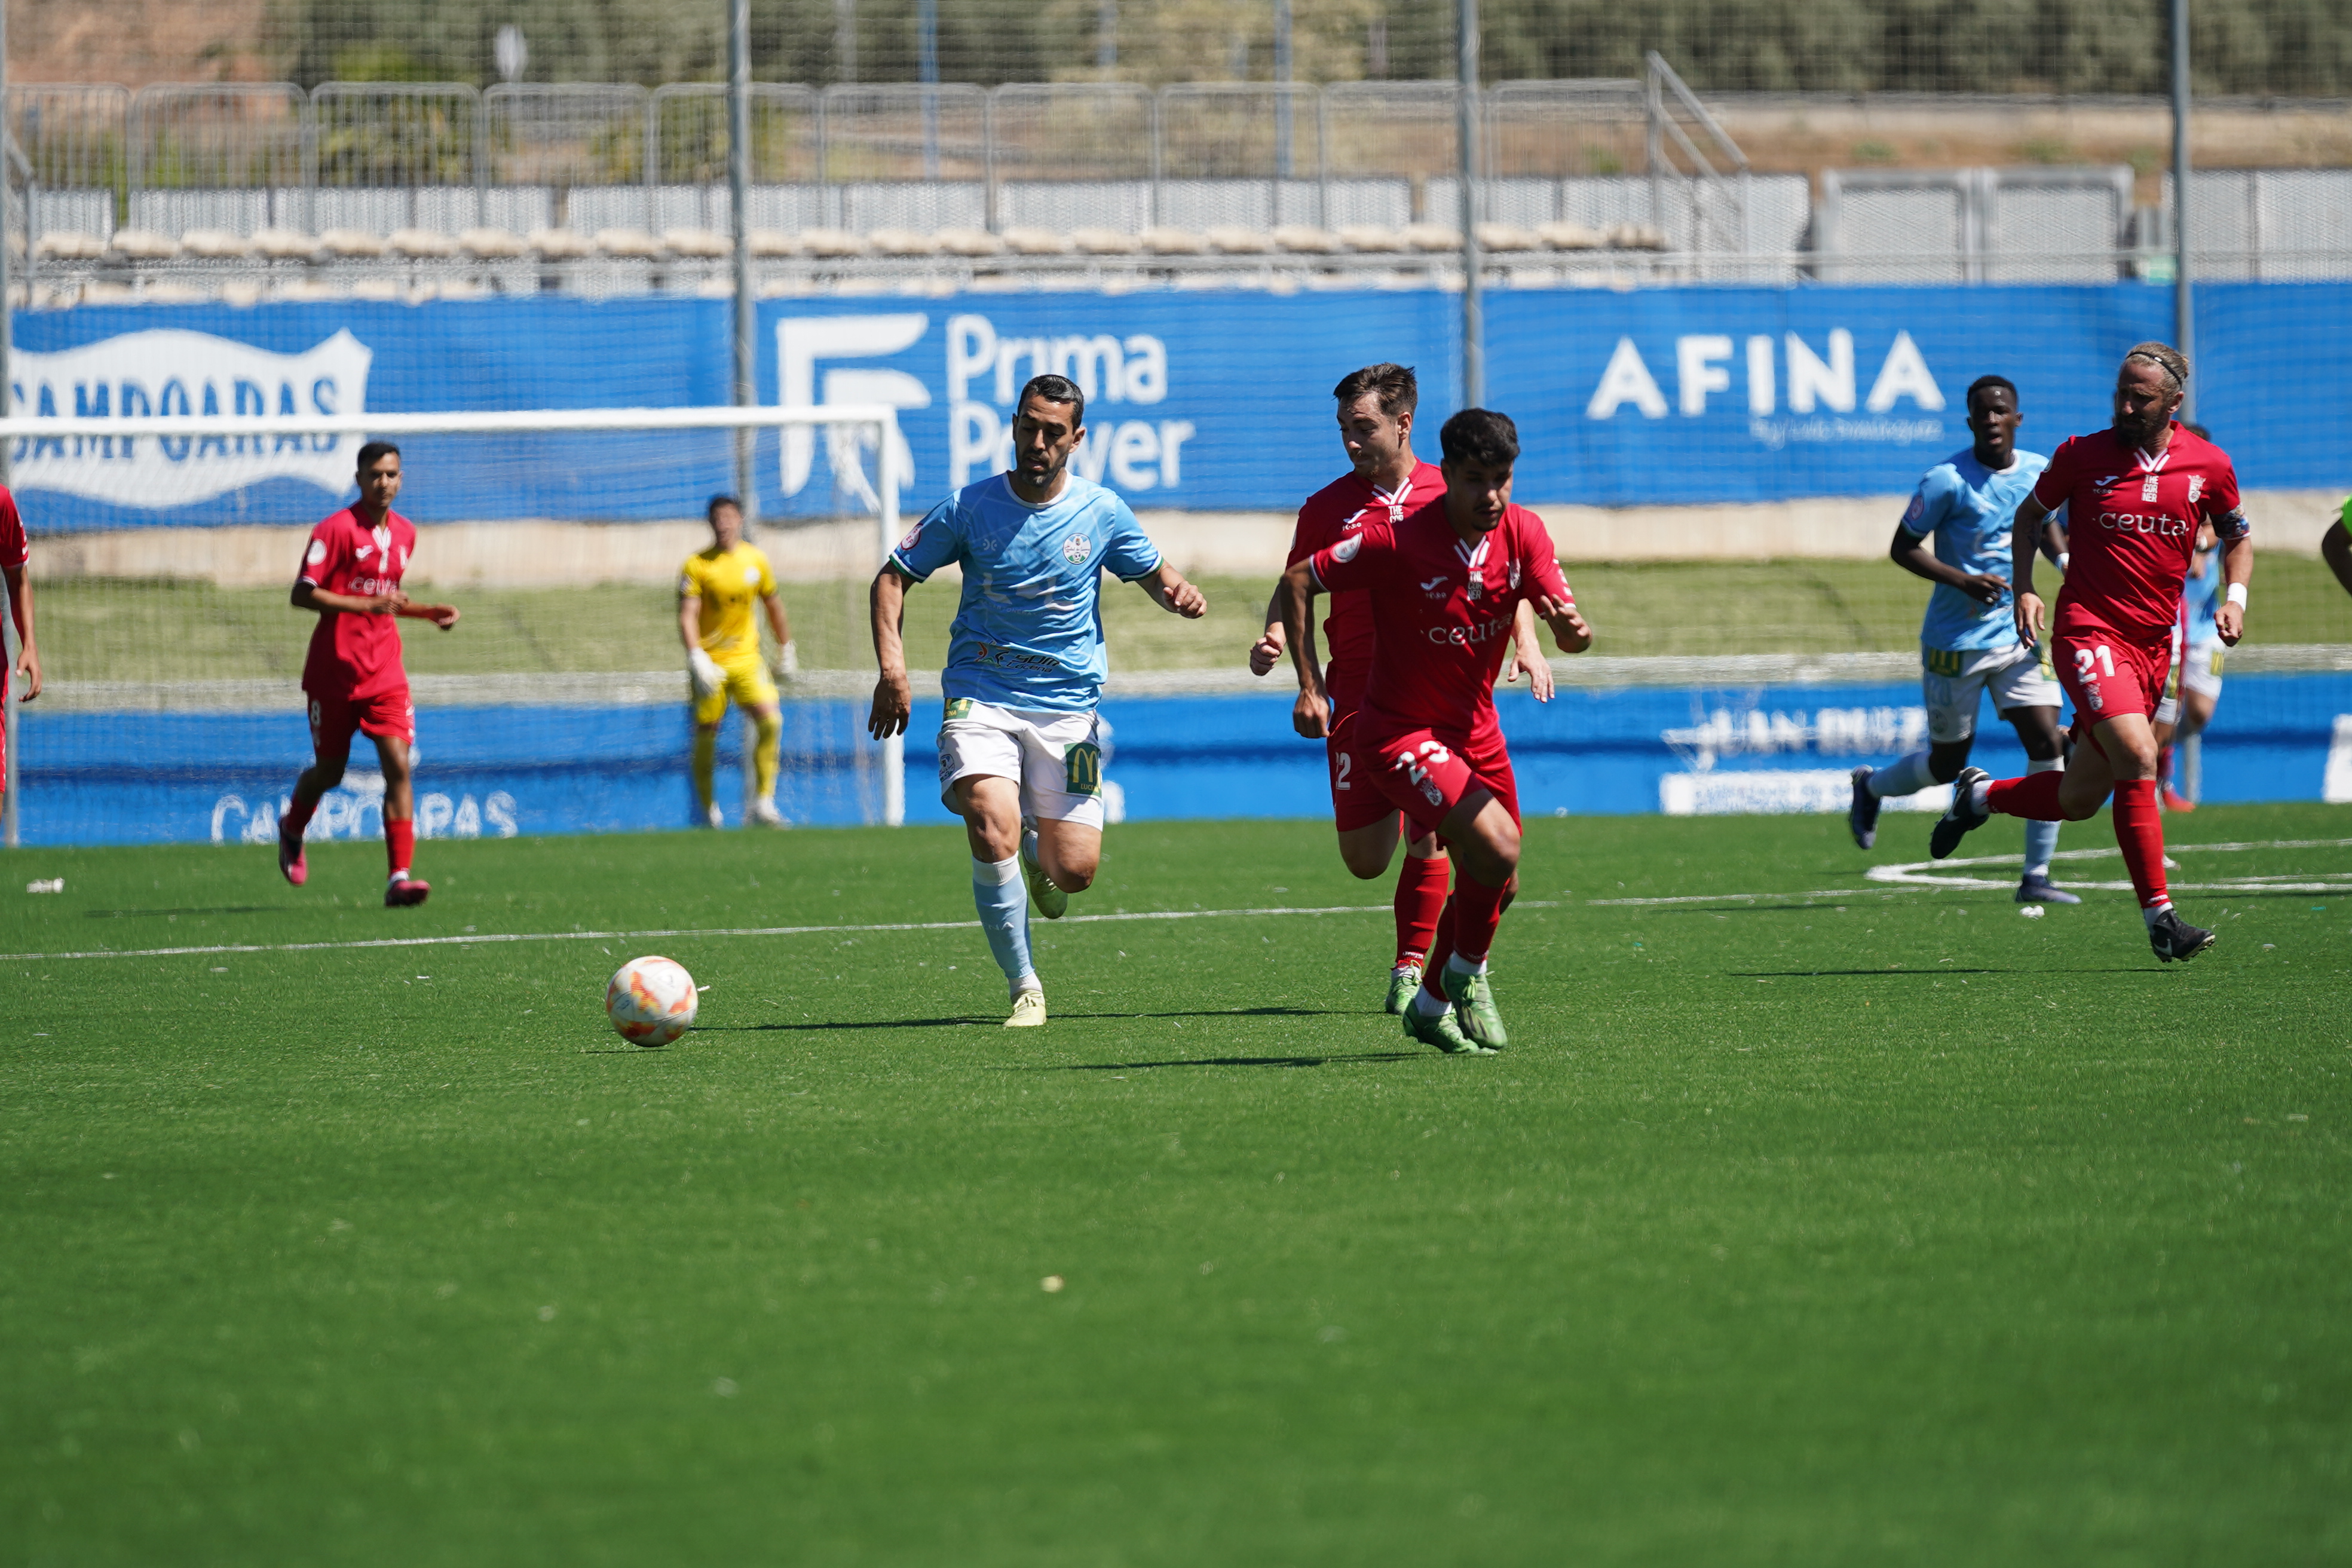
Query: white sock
point(1426, 1005)
point(2041, 838)
point(1908, 776)
point(1004, 906)
point(1457, 964)
point(1980, 795)
point(2149, 915)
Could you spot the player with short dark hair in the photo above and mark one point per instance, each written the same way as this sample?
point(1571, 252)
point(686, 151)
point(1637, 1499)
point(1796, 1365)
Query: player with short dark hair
point(1967, 645)
point(351, 578)
point(1445, 583)
point(1020, 741)
point(2335, 547)
point(1385, 480)
point(716, 589)
point(2136, 494)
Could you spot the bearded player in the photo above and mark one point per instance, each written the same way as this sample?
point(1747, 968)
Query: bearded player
point(1376, 411)
point(2136, 494)
point(1444, 584)
point(1020, 740)
point(353, 677)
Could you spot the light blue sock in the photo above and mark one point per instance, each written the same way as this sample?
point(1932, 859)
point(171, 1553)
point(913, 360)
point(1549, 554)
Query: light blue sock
point(2041, 838)
point(1907, 776)
point(1004, 905)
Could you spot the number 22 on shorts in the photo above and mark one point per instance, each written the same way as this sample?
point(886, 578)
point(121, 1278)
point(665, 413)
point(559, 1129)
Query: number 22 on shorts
point(2083, 655)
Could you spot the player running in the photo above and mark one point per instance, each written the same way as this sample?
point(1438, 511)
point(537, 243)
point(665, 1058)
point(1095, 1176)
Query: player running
point(1969, 644)
point(2194, 691)
point(2136, 494)
point(1376, 410)
point(15, 563)
point(715, 591)
point(1020, 747)
point(1444, 584)
point(351, 578)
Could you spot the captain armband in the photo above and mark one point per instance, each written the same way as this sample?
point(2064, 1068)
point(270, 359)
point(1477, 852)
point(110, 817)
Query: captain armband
point(2233, 524)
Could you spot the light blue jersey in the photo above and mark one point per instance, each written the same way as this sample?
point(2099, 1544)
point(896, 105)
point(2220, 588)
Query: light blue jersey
point(1971, 509)
point(1028, 632)
point(2201, 597)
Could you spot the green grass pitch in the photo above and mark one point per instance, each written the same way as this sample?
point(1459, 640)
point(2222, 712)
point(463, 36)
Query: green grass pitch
point(1841, 1224)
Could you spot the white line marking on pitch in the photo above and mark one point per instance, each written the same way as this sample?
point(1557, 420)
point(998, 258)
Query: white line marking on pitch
point(495, 937)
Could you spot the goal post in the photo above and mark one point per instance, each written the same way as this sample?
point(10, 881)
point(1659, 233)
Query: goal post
point(164, 546)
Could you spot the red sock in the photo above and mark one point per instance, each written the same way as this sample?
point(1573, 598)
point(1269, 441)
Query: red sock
point(1420, 901)
point(1474, 909)
point(2139, 833)
point(297, 817)
point(399, 845)
point(2035, 797)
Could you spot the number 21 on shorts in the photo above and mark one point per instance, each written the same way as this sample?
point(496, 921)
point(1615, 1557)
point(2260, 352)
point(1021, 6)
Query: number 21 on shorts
point(2085, 656)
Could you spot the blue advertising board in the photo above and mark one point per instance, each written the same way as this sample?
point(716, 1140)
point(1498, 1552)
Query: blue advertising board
point(1200, 401)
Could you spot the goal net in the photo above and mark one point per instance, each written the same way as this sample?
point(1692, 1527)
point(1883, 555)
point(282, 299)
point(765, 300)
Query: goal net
point(165, 549)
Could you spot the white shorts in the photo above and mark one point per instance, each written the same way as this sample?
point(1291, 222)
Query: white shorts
point(1055, 758)
point(2201, 672)
point(1954, 679)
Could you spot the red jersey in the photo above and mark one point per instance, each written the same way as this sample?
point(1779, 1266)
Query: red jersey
point(1445, 610)
point(2132, 524)
point(1332, 514)
point(356, 656)
point(14, 551)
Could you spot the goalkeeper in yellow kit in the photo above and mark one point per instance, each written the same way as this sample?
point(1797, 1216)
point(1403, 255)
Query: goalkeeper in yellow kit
point(715, 591)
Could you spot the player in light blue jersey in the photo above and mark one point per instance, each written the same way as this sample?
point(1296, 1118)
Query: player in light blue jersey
point(1021, 748)
point(1967, 645)
point(2195, 689)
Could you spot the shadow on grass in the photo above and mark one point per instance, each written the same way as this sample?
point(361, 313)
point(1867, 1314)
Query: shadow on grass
point(1906, 973)
point(812, 1028)
point(1238, 1062)
point(223, 909)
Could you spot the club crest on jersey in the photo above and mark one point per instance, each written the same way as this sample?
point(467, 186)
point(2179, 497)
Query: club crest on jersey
point(1514, 575)
point(1345, 551)
point(1076, 549)
point(913, 535)
point(2196, 488)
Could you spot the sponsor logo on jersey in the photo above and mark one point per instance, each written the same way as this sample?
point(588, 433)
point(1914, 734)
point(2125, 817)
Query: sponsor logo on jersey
point(1437, 587)
point(1471, 636)
point(2147, 488)
point(1076, 549)
point(2155, 522)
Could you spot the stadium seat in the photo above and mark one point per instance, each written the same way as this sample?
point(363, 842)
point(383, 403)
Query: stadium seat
point(833, 243)
point(419, 243)
point(559, 245)
point(1232, 240)
point(215, 244)
point(1306, 239)
point(902, 242)
point(773, 242)
point(492, 244)
point(303, 290)
point(701, 244)
point(1571, 237)
point(167, 292)
point(1637, 237)
point(1432, 236)
point(1164, 241)
point(1371, 237)
point(69, 245)
point(1507, 237)
point(1038, 242)
point(286, 244)
point(143, 244)
point(970, 242)
point(351, 244)
point(385, 290)
point(98, 292)
point(628, 244)
point(1106, 241)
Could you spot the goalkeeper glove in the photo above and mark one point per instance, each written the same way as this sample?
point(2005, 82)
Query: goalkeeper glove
point(787, 660)
point(703, 672)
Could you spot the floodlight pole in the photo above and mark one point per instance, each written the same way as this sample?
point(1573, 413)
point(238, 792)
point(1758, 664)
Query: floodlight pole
point(739, 188)
point(1474, 310)
point(2184, 298)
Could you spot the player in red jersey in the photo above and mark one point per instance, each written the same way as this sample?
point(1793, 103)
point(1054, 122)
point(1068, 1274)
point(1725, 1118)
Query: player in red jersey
point(1385, 480)
point(16, 559)
point(351, 577)
point(1444, 584)
point(2136, 494)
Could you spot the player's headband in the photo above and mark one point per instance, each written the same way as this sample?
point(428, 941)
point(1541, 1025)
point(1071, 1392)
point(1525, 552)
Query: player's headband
point(2171, 373)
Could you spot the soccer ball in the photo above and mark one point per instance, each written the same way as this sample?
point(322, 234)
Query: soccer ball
point(651, 1001)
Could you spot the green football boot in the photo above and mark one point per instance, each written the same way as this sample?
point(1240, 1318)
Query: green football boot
point(1473, 1008)
point(1403, 980)
point(1051, 901)
point(1440, 1030)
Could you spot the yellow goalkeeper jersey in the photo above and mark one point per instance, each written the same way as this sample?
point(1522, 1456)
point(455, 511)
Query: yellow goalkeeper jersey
point(727, 582)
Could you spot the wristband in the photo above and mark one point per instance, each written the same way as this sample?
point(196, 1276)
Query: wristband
point(2065, 556)
point(2237, 594)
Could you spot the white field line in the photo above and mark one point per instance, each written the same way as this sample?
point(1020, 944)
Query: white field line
point(1916, 876)
point(492, 937)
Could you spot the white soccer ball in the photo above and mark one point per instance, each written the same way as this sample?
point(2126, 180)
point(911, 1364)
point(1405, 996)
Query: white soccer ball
point(651, 1000)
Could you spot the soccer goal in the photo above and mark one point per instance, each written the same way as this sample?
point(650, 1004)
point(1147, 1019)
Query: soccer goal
point(165, 545)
